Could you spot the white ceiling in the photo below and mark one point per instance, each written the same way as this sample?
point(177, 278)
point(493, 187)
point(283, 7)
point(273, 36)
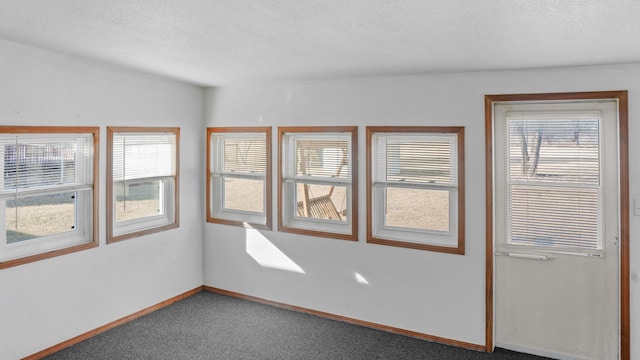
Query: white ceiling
point(222, 42)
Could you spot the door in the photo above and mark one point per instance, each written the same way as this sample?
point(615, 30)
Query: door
point(556, 219)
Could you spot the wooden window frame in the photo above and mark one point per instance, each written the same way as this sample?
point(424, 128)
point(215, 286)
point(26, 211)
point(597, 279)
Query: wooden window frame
point(93, 242)
point(353, 132)
point(111, 238)
point(459, 249)
point(268, 178)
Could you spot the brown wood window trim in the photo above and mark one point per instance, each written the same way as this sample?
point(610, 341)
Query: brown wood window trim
point(233, 221)
point(322, 207)
point(459, 247)
point(93, 242)
point(111, 222)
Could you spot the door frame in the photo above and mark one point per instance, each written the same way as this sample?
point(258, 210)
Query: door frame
point(621, 96)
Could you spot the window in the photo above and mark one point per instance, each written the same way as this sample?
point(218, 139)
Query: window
point(318, 181)
point(239, 176)
point(415, 187)
point(142, 181)
point(48, 196)
point(554, 197)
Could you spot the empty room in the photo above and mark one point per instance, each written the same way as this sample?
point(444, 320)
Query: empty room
point(319, 179)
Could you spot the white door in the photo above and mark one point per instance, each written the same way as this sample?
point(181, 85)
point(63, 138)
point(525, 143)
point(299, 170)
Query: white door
point(556, 229)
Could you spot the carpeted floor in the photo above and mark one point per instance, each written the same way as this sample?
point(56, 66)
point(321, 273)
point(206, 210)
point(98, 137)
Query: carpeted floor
point(212, 326)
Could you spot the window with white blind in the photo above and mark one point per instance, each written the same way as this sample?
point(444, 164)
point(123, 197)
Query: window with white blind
point(239, 176)
point(142, 181)
point(415, 187)
point(554, 197)
point(47, 192)
point(318, 181)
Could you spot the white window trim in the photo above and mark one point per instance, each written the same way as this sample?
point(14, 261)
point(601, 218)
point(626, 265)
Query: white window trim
point(83, 232)
point(122, 230)
point(80, 235)
point(451, 241)
point(150, 222)
point(289, 220)
point(443, 238)
point(217, 212)
point(576, 114)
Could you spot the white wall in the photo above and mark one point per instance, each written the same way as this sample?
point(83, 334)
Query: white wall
point(432, 293)
point(50, 301)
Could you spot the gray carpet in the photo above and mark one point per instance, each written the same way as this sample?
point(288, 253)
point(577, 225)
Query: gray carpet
point(212, 326)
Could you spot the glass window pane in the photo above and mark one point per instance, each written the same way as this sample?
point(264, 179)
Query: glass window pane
point(45, 161)
point(243, 194)
point(138, 200)
point(554, 150)
point(323, 158)
point(245, 155)
point(427, 161)
point(554, 216)
point(321, 201)
point(37, 216)
point(417, 209)
point(554, 175)
point(143, 155)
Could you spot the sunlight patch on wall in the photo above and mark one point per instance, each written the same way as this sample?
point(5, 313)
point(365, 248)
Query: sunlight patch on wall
point(361, 280)
point(268, 255)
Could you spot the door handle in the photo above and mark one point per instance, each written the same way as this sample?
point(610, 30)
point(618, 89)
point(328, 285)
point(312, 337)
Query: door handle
point(525, 256)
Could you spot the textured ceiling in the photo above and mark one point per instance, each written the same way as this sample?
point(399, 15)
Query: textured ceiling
point(221, 42)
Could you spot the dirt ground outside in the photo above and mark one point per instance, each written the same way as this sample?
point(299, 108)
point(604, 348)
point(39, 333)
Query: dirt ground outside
point(419, 209)
point(35, 220)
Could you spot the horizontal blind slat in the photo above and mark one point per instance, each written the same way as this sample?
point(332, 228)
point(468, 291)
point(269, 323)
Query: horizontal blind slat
point(420, 158)
point(242, 153)
point(559, 150)
point(553, 167)
point(317, 155)
point(46, 160)
point(143, 155)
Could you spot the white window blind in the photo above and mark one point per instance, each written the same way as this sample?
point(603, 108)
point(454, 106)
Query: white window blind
point(240, 154)
point(143, 155)
point(44, 163)
point(415, 160)
point(554, 192)
point(317, 156)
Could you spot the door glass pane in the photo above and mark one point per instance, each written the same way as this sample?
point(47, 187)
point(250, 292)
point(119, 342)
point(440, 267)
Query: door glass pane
point(554, 150)
point(37, 216)
point(554, 182)
point(417, 209)
point(554, 217)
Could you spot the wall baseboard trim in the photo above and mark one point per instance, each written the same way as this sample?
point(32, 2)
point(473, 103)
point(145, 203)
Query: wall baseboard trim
point(89, 334)
point(349, 320)
point(111, 325)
